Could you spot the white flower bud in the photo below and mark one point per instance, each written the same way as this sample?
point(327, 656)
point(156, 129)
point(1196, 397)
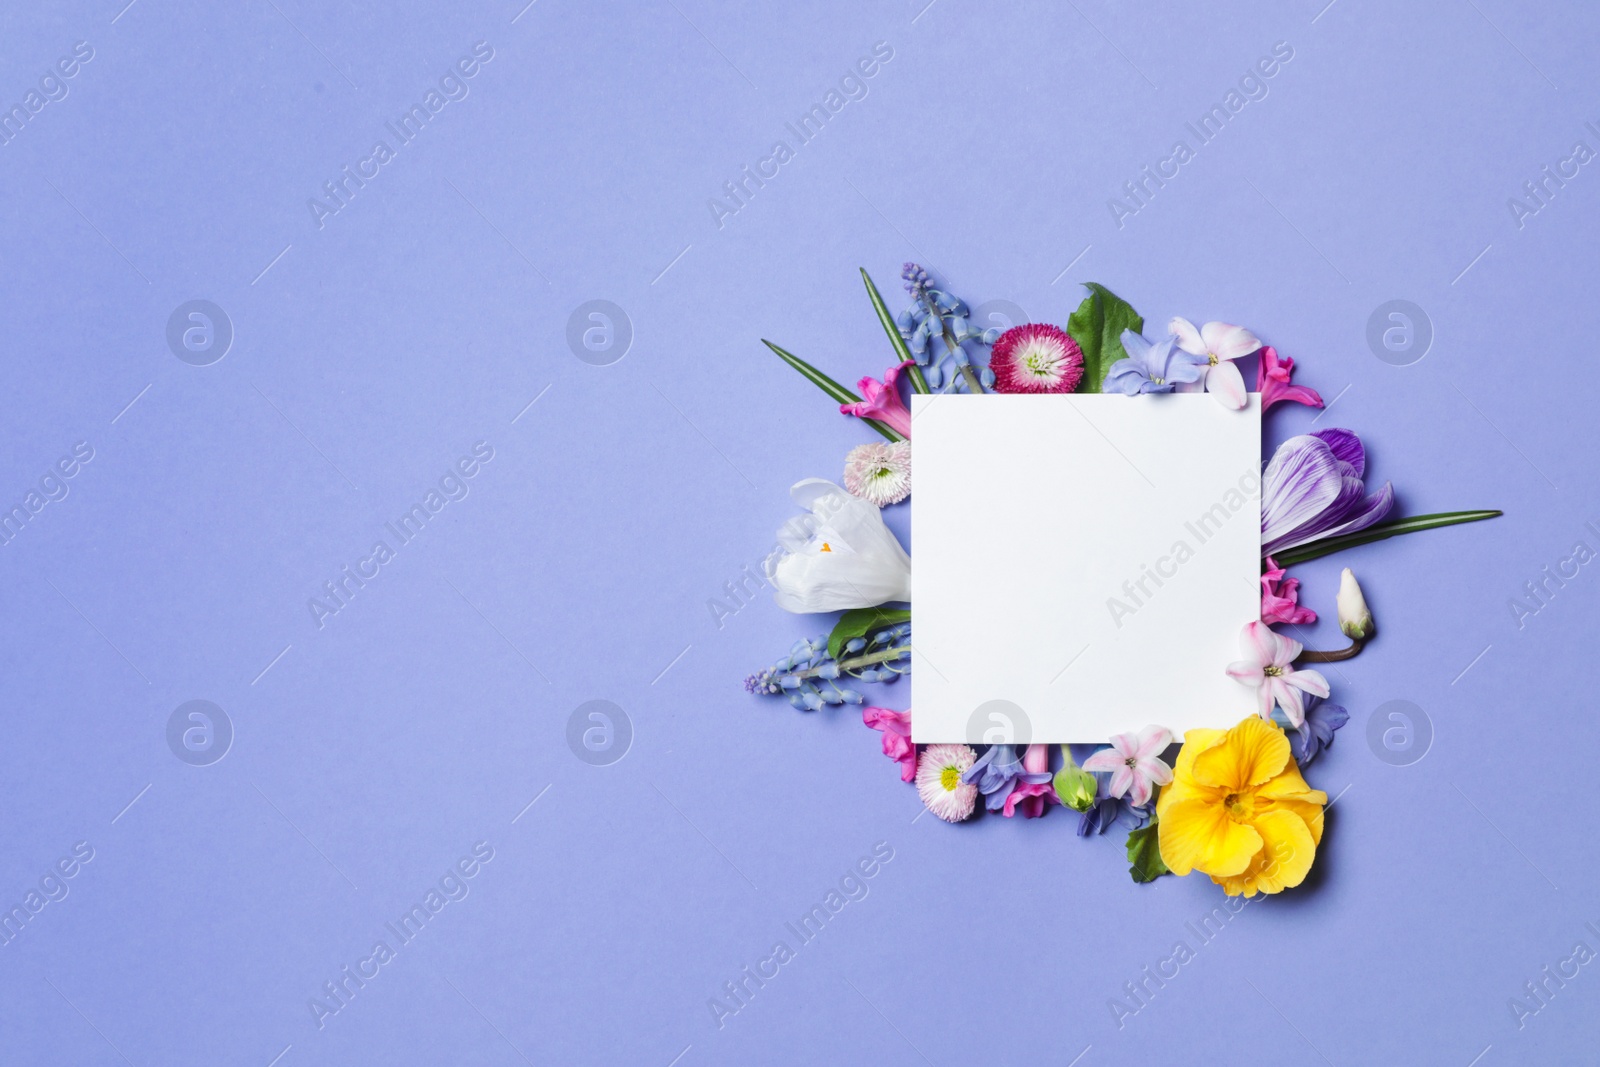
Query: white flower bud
point(1355, 619)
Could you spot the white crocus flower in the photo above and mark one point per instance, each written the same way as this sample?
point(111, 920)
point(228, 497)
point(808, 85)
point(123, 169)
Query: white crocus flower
point(839, 557)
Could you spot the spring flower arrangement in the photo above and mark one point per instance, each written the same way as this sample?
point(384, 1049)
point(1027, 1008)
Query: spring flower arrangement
point(1232, 804)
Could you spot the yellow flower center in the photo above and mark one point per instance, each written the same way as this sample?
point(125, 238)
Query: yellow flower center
point(1212, 356)
point(1272, 672)
point(1241, 806)
point(950, 777)
point(1158, 381)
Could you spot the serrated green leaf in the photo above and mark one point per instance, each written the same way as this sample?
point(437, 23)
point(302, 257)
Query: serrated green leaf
point(1097, 326)
point(1144, 852)
point(829, 386)
point(902, 352)
point(859, 622)
point(1329, 545)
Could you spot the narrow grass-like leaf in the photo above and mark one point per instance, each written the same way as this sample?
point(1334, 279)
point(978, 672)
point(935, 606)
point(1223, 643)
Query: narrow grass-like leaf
point(919, 384)
point(1327, 546)
point(829, 386)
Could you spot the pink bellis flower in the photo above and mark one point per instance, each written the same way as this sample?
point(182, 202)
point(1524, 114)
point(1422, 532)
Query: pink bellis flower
point(1272, 382)
point(1220, 344)
point(1033, 792)
point(896, 727)
point(1280, 597)
point(1134, 762)
point(1267, 666)
point(1036, 358)
point(939, 772)
point(882, 401)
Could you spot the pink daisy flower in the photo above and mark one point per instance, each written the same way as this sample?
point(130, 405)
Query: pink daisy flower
point(939, 784)
point(1036, 358)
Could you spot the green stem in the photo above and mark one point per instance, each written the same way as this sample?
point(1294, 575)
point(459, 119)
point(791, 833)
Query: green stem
point(1327, 546)
point(954, 346)
point(857, 662)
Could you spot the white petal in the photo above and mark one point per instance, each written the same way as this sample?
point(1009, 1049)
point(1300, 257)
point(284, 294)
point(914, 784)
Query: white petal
point(851, 560)
point(1189, 338)
point(1226, 384)
point(1227, 341)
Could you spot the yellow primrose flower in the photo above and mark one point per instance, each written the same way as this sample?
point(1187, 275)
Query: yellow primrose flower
point(1238, 810)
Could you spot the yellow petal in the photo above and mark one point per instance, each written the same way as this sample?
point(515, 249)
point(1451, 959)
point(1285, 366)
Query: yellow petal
point(1309, 812)
point(1289, 783)
point(1198, 835)
point(1289, 850)
point(1183, 787)
point(1193, 742)
point(1248, 755)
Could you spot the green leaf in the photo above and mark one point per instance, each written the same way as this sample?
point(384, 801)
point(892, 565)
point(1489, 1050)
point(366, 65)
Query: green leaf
point(1097, 326)
point(1144, 852)
point(1329, 545)
point(862, 621)
point(919, 384)
point(829, 386)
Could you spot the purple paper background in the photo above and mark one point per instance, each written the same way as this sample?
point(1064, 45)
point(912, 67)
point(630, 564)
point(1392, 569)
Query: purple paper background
point(369, 354)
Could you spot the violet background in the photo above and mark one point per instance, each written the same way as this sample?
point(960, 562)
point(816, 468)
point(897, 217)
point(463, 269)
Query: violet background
point(422, 718)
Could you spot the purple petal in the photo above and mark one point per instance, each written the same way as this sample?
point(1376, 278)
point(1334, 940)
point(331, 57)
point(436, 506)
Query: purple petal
point(1351, 492)
point(1367, 513)
point(1301, 483)
point(1346, 446)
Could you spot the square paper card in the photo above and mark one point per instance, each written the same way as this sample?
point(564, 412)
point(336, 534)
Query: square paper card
point(1083, 564)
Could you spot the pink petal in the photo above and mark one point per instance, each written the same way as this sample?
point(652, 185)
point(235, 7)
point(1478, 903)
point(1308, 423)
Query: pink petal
point(1139, 793)
point(1226, 384)
point(1265, 698)
point(1246, 672)
point(1189, 338)
point(1107, 759)
point(1121, 779)
point(1258, 643)
point(1151, 742)
point(1288, 647)
point(1226, 341)
point(1289, 699)
point(1196, 386)
point(1311, 681)
point(1156, 771)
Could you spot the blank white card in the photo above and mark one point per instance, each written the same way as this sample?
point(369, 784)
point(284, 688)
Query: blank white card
point(1082, 565)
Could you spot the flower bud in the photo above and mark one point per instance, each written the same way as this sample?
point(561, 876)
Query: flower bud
point(1075, 786)
point(1354, 617)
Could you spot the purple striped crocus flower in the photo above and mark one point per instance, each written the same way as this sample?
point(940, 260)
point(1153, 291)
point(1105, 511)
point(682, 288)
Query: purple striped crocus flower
point(1313, 489)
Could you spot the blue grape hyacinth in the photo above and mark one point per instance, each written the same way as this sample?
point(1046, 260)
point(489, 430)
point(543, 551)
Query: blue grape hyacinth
point(933, 320)
point(809, 676)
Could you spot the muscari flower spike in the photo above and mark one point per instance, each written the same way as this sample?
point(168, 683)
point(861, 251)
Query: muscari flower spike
point(809, 676)
point(940, 365)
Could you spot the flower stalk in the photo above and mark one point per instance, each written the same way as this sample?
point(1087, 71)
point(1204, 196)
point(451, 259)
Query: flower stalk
point(854, 663)
point(1312, 655)
point(950, 342)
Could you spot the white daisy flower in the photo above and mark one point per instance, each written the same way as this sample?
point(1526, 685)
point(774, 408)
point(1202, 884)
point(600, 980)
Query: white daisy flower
point(880, 472)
